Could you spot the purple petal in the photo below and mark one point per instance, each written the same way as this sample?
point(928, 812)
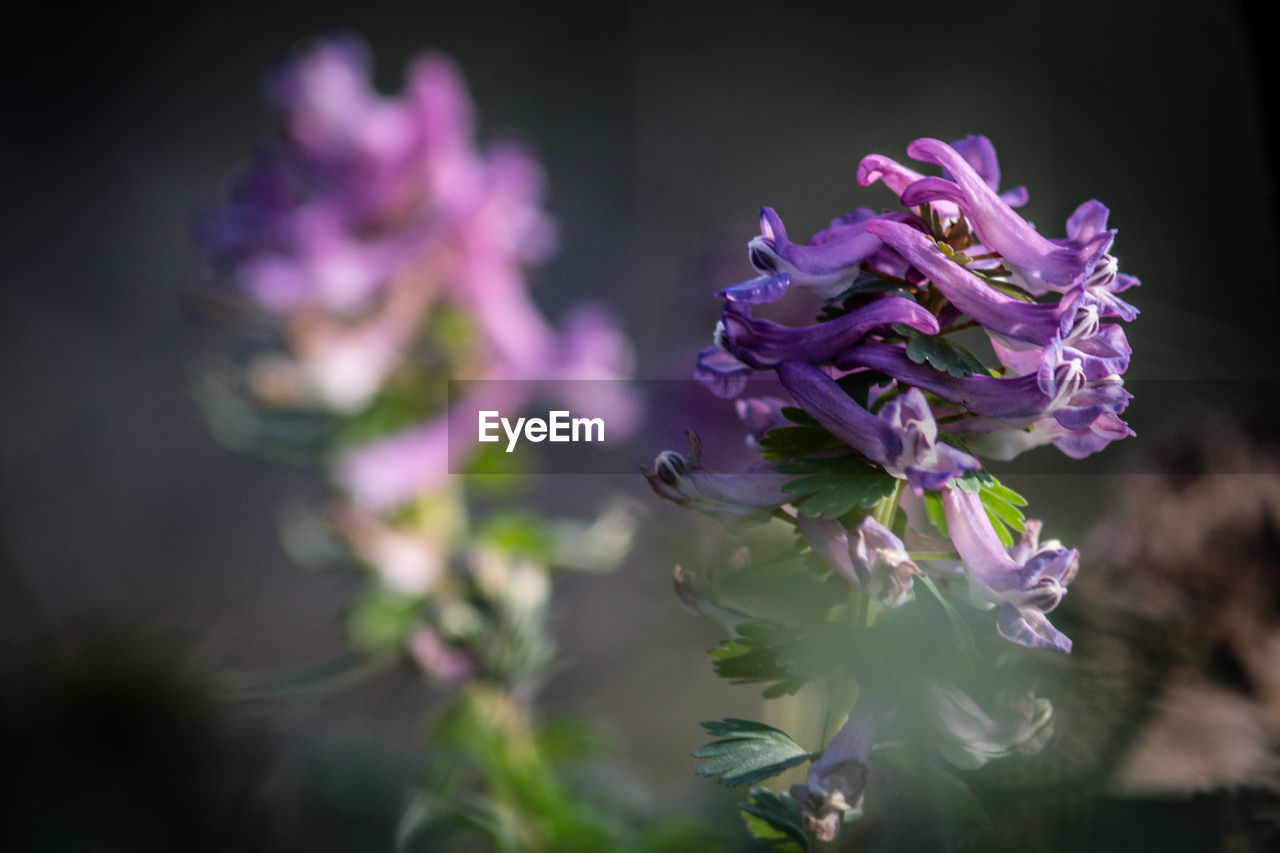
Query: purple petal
point(979, 153)
point(1030, 628)
point(757, 291)
point(735, 499)
point(722, 373)
point(828, 264)
point(830, 540)
point(1027, 321)
point(1042, 264)
point(760, 414)
point(820, 396)
point(762, 344)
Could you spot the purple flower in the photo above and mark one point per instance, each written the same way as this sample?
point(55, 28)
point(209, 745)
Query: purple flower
point(977, 151)
point(1024, 583)
point(903, 437)
point(1022, 321)
point(996, 440)
point(826, 265)
point(763, 344)
point(1087, 222)
point(1060, 387)
point(738, 500)
point(837, 780)
point(1041, 265)
point(876, 562)
point(722, 373)
point(760, 414)
point(760, 290)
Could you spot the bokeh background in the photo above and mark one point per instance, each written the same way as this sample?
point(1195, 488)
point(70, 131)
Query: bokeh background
point(662, 129)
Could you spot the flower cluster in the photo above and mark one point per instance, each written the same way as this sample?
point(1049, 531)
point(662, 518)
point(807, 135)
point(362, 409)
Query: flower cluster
point(875, 458)
point(385, 255)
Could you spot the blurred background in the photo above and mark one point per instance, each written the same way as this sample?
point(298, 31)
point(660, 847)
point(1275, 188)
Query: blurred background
point(662, 131)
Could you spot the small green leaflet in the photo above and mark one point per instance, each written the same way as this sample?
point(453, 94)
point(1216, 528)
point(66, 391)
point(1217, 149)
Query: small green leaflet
point(776, 820)
point(790, 441)
point(942, 354)
point(798, 416)
point(831, 494)
point(747, 752)
point(751, 658)
point(858, 385)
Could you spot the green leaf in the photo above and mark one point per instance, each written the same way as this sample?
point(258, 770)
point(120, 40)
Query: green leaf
point(1002, 532)
point(748, 752)
point(798, 416)
point(824, 465)
point(972, 481)
point(776, 820)
point(752, 659)
point(1005, 493)
point(871, 284)
point(944, 355)
point(1002, 509)
point(791, 441)
point(831, 495)
point(858, 385)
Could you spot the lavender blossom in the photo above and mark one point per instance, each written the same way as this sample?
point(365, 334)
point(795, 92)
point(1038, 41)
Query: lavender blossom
point(837, 780)
point(1060, 388)
point(735, 499)
point(903, 437)
point(1041, 265)
point(875, 561)
point(826, 265)
point(763, 344)
point(1024, 583)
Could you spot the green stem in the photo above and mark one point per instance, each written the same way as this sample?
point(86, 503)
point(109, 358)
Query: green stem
point(933, 555)
point(886, 509)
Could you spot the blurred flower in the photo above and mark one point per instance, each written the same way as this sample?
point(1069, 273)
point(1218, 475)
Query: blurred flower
point(970, 737)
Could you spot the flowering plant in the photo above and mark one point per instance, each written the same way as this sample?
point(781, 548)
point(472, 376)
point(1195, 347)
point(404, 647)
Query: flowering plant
point(383, 256)
point(874, 463)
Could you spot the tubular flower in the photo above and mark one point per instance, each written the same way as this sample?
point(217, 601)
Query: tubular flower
point(875, 561)
point(970, 737)
point(763, 344)
point(826, 265)
point(1024, 582)
point(1041, 264)
point(836, 781)
point(903, 437)
point(736, 499)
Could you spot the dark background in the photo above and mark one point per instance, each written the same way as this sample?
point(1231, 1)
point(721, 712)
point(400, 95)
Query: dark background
point(662, 131)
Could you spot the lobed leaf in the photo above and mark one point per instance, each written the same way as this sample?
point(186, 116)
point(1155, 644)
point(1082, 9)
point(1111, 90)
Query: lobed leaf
point(748, 752)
